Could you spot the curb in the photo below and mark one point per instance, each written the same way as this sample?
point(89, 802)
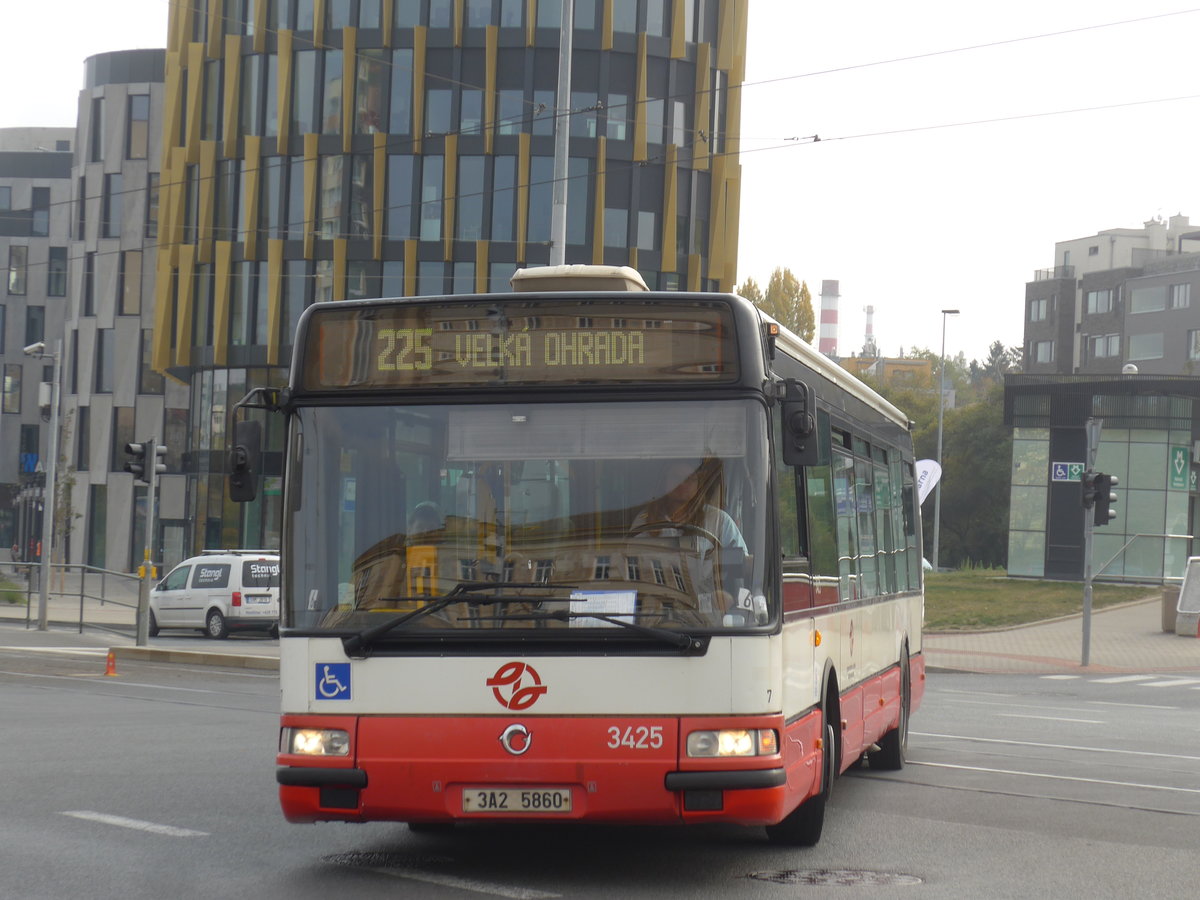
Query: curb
point(197, 658)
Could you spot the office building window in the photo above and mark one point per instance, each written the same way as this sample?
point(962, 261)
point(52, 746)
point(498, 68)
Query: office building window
point(370, 92)
point(431, 198)
point(468, 220)
point(149, 381)
point(399, 197)
point(1042, 351)
point(331, 108)
point(12, 387)
point(1181, 296)
point(89, 284)
point(1104, 346)
point(1099, 302)
point(1038, 309)
point(83, 438)
point(152, 206)
point(1146, 346)
point(137, 132)
point(400, 119)
point(35, 324)
point(110, 221)
point(104, 361)
point(96, 126)
point(5, 197)
point(40, 208)
point(1194, 344)
point(56, 272)
point(129, 282)
point(1148, 299)
point(18, 263)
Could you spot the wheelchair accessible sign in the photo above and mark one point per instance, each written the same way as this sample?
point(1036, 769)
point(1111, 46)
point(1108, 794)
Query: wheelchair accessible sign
point(1066, 471)
point(332, 681)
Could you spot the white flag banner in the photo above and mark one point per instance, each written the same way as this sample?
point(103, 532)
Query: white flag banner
point(929, 473)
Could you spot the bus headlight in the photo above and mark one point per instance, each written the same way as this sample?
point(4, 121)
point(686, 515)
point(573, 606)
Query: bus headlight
point(733, 742)
point(314, 742)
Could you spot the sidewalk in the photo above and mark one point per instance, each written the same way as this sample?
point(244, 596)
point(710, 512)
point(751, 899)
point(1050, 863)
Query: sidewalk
point(1124, 639)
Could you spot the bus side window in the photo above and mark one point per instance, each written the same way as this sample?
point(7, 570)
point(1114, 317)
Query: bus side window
point(790, 510)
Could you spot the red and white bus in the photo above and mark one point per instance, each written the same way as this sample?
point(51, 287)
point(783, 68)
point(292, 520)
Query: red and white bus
point(585, 555)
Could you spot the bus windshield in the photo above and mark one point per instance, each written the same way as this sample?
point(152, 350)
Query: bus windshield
point(578, 514)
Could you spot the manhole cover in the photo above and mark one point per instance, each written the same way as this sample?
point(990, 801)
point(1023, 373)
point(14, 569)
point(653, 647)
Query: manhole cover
point(839, 877)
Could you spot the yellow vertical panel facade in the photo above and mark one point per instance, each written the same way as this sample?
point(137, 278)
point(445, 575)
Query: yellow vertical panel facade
point(670, 208)
point(260, 27)
point(639, 119)
point(349, 58)
point(491, 56)
point(733, 206)
point(274, 299)
point(250, 202)
point(450, 193)
point(206, 188)
point(410, 268)
point(606, 24)
point(341, 248)
point(717, 212)
point(310, 193)
point(379, 194)
point(459, 18)
point(170, 229)
point(173, 103)
point(531, 23)
point(221, 275)
point(678, 36)
point(233, 90)
point(195, 100)
point(319, 22)
point(701, 139)
point(178, 21)
point(598, 203)
point(693, 272)
point(160, 338)
point(523, 158)
point(481, 267)
point(216, 19)
point(283, 87)
point(183, 313)
point(420, 33)
point(389, 22)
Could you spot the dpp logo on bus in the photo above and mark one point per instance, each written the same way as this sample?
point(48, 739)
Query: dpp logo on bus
point(332, 681)
point(516, 685)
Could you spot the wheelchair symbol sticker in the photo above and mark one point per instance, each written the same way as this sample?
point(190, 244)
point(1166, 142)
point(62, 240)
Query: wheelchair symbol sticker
point(333, 681)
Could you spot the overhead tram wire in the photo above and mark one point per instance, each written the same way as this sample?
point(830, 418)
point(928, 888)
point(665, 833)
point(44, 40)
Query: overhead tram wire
point(789, 142)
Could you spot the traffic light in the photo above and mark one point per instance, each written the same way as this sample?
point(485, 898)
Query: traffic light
point(1105, 498)
point(137, 459)
point(1089, 488)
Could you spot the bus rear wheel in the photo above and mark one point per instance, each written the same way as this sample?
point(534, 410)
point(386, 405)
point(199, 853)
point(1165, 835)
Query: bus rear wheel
point(802, 828)
point(893, 746)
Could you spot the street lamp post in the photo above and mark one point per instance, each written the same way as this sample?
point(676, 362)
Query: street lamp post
point(937, 490)
point(49, 494)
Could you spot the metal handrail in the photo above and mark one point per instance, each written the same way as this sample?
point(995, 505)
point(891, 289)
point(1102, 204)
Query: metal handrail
point(1125, 546)
point(33, 585)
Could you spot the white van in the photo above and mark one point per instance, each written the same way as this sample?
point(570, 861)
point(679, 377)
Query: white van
point(218, 592)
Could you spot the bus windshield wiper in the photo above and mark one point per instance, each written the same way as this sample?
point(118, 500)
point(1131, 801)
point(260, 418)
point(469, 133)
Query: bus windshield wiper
point(475, 593)
point(674, 638)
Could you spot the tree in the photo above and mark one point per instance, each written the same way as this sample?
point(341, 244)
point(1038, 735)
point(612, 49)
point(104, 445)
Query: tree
point(787, 300)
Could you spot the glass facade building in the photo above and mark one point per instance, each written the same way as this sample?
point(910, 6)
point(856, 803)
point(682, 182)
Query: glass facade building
point(339, 149)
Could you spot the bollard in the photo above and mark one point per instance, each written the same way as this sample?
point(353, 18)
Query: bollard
point(110, 666)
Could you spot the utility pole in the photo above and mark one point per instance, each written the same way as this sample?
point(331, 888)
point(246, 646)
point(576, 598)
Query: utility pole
point(1093, 427)
point(562, 138)
point(144, 465)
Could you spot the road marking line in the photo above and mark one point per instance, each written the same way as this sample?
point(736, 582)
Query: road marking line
point(1122, 679)
point(1133, 705)
point(467, 884)
point(1060, 677)
point(1132, 784)
point(1178, 682)
point(982, 740)
point(74, 651)
point(136, 824)
point(1051, 718)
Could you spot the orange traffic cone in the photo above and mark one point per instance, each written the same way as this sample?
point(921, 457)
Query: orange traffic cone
point(110, 666)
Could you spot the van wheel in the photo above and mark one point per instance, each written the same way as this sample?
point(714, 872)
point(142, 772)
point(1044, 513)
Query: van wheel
point(802, 828)
point(152, 628)
point(893, 746)
point(215, 625)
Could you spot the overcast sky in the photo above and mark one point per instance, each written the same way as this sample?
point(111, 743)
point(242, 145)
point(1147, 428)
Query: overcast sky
point(909, 207)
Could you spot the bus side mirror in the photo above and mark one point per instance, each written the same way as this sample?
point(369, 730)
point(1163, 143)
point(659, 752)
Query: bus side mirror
point(799, 424)
point(244, 461)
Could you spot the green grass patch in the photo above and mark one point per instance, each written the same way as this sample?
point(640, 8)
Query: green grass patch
point(11, 594)
point(979, 599)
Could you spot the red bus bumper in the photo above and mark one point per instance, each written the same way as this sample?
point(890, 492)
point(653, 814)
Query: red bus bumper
point(603, 769)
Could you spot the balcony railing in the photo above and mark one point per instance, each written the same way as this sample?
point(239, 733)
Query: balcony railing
point(1058, 272)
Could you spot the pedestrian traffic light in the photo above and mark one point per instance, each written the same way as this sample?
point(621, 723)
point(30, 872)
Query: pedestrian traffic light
point(137, 460)
point(1105, 498)
point(1089, 488)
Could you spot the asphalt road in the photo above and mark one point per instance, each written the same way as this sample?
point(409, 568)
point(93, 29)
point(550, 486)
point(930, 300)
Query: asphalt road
point(159, 782)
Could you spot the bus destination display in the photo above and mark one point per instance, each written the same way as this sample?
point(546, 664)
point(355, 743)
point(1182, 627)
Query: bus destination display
point(413, 344)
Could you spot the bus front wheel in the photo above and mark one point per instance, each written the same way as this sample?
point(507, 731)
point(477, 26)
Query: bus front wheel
point(802, 828)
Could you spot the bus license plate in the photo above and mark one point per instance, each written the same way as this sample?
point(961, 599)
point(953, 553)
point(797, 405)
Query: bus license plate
point(516, 800)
